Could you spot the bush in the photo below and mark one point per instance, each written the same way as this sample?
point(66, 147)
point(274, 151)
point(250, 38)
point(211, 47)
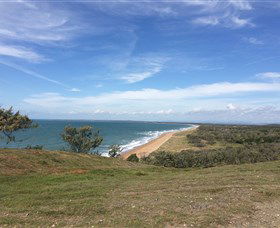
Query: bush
point(214, 157)
point(248, 144)
point(133, 158)
point(114, 150)
point(235, 134)
point(163, 158)
point(37, 147)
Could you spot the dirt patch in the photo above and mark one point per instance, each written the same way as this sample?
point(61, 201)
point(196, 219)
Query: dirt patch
point(266, 215)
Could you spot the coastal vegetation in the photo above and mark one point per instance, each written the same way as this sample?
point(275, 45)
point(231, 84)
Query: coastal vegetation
point(82, 139)
point(114, 151)
point(133, 158)
point(11, 121)
point(212, 145)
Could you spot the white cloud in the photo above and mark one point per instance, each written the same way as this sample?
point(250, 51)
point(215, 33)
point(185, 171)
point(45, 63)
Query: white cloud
point(165, 112)
point(32, 22)
point(269, 75)
point(136, 77)
point(146, 97)
point(200, 12)
point(225, 13)
point(226, 20)
point(231, 107)
point(75, 90)
point(135, 8)
point(242, 5)
point(142, 67)
point(20, 52)
point(260, 115)
point(206, 20)
point(240, 22)
point(253, 40)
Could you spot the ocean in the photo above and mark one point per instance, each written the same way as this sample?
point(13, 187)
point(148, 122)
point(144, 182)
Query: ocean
point(128, 134)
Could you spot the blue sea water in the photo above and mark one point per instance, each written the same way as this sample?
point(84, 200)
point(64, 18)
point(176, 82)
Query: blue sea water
point(128, 134)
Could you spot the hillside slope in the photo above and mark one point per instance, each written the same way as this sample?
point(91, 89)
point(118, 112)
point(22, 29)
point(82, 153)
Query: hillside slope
point(14, 161)
point(43, 188)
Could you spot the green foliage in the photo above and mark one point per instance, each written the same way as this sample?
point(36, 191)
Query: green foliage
point(248, 144)
point(163, 158)
point(214, 157)
point(11, 122)
point(252, 135)
point(133, 158)
point(81, 140)
point(114, 150)
point(36, 147)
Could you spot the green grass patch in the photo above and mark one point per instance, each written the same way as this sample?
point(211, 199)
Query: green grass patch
point(94, 191)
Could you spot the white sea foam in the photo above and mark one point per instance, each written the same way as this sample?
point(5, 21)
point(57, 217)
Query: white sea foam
point(149, 136)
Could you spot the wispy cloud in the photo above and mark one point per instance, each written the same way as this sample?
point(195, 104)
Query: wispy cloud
point(141, 67)
point(136, 77)
point(225, 13)
point(47, 23)
point(260, 114)
point(253, 40)
point(242, 5)
point(240, 22)
point(150, 96)
point(36, 75)
point(70, 107)
point(226, 21)
point(21, 53)
point(135, 8)
point(200, 12)
point(211, 20)
point(269, 75)
point(75, 90)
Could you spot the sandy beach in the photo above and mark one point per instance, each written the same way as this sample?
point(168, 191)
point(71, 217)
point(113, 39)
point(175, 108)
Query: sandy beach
point(151, 146)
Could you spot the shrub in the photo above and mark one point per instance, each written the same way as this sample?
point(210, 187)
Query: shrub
point(82, 140)
point(133, 158)
point(114, 150)
point(37, 147)
point(163, 158)
point(235, 134)
point(146, 159)
point(214, 157)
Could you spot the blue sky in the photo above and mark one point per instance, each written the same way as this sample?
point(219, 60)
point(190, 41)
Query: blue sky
point(213, 61)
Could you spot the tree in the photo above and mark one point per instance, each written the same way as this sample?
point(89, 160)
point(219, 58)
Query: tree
point(11, 121)
point(114, 150)
point(81, 140)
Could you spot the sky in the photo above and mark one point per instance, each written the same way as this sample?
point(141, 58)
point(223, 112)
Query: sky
point(191, 61)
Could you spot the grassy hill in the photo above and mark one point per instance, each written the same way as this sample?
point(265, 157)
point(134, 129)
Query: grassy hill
point(43, 188)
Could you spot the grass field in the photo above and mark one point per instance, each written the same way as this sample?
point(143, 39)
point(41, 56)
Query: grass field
point(43, 188)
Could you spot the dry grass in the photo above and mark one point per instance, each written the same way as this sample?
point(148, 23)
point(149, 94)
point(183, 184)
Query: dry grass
point(179, 142)
point(85, 190)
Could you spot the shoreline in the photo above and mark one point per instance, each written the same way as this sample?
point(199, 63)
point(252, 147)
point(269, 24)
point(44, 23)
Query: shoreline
point(153, 145)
